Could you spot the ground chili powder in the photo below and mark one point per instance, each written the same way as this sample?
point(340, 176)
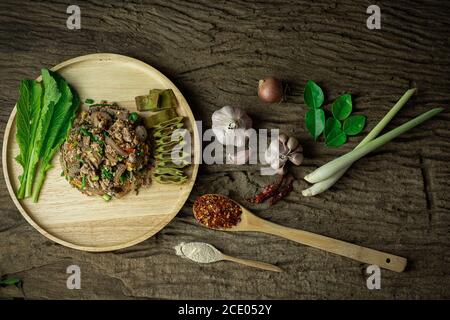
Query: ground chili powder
point(216, 211)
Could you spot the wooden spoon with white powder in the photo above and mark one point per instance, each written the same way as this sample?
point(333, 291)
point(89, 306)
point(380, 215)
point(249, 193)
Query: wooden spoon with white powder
point(205, 253)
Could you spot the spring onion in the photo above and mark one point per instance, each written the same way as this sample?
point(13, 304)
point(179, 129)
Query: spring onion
point(328, 170)
point(324, 185)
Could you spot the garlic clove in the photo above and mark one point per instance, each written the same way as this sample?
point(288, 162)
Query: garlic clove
point(281, 171)
point(296, 158)
point(240, 157)
point(283, 138)
point(240, 137)
point(220, 135)
point(278, 164)
point(292, 143)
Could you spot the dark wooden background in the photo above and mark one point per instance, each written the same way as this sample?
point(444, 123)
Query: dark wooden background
point(395, 199)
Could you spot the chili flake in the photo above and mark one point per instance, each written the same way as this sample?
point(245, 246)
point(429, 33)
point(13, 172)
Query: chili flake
point(216, 211)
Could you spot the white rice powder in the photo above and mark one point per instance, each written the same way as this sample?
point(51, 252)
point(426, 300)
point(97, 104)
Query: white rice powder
point(198, 251)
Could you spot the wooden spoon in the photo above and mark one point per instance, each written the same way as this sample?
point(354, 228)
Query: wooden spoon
point(219, 256)
point(251, 263)
point(250, 222)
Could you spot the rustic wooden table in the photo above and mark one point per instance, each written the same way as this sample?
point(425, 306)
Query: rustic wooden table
point(395, 200)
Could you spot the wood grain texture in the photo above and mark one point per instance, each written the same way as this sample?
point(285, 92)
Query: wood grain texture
point(69, 217)
point(394, 200)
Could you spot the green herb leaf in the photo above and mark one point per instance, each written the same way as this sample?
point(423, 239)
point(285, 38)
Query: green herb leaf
point(330, 124)
point(354, 124)
point(83, 183)
point(335, 138)
point(10, 281)
point(313, 95)
point(106, 174)
point(133, 116)
point(315, 122)
point(342, 107)
point(85, 132)
point(89, 101)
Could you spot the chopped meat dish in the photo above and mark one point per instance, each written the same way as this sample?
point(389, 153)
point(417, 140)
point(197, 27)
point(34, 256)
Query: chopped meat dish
point(107, 152)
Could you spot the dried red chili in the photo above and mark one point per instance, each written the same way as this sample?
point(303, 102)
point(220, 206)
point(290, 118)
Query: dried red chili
point(216, 211)
point(267, 192)
point(277, 190)
point(283, 191)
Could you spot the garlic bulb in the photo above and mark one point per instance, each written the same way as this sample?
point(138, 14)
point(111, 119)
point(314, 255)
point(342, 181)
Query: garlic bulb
point(230, 125)
point(283, 150)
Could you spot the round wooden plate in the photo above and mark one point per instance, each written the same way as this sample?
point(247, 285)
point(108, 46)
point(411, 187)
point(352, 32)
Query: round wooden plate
point(65, 215)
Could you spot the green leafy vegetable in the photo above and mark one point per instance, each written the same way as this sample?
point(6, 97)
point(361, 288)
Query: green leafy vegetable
point(315, 122)
point(50, 98)
point(45, 114)
point(354, 124)
point(335, 138)
point(331, 124)
point(342, 107)
point(313, 95)
point(89, 101)
point(335, 132)
point(63, 115)
point(28, 111)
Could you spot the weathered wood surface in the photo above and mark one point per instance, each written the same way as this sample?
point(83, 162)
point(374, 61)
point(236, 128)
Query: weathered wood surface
point(395, 199)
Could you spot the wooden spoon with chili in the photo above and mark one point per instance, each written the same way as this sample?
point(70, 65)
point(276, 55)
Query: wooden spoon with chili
point(221, 213)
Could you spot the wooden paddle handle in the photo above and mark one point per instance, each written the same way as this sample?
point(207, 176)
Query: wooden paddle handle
point(349, 250)
point(252, 263)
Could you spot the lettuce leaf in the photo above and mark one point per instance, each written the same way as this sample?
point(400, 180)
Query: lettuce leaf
point(28, 110)
point(63, 115)
point(50, 98)
point(45, 112)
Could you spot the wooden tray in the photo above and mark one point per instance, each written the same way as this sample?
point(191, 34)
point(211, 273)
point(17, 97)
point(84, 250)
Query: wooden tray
point(65, 215)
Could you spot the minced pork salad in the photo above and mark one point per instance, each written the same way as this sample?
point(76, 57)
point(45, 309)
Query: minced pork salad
point(107, 152)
